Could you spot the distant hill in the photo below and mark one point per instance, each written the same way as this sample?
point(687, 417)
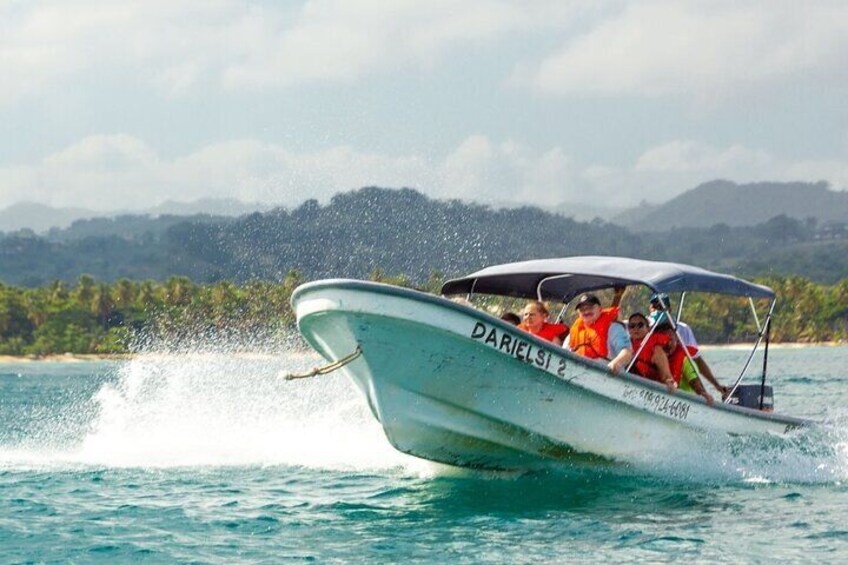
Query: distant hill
point(129, 226)
point(399, 232)
point(579, 211)
point(41, 218)
point(210, 206)
point(725, 202)
point(711, 203)
point(636, 218)
point(586, 212)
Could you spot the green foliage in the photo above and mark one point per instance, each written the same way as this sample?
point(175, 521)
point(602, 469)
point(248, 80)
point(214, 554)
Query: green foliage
point(401, 231)
point(94, 317)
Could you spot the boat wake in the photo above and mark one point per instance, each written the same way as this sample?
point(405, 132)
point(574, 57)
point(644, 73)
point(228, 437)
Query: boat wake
point(211, 407)
point(814, 455)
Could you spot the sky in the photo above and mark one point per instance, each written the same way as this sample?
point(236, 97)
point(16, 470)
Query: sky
point(114, 105)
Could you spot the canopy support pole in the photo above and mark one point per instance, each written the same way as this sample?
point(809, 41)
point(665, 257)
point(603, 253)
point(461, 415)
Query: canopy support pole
point(754, 311)
point(470, 294)
point(765, 362)
point(680, 306)
point(753, 351)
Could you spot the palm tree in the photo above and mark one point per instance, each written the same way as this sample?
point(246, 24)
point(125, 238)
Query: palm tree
point(124, 293)
point(102, 305)
point(178, 291)
point(84, 291)
point(146, 296)
point(58, 291)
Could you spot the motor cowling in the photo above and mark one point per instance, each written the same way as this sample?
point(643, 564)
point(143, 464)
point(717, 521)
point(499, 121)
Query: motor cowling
point(748, 396)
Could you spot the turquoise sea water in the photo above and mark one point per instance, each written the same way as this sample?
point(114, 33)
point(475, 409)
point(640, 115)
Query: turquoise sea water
point(216, 459)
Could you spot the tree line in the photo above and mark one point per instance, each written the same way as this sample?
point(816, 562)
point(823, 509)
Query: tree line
point(91, 316)
point(403, 231)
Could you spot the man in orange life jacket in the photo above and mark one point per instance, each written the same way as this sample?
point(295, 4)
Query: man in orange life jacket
point(597, 333)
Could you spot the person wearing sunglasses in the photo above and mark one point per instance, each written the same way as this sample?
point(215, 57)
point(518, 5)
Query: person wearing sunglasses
point(651, 359)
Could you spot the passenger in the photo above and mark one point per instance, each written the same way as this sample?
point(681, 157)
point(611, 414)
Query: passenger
point(597, 333)
point(651, 359)
point(659, 306)
point(511, 317)
point(536, 322)
point(681, 368)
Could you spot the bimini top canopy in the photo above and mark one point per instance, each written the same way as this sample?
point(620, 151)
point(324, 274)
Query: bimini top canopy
point(562, 279)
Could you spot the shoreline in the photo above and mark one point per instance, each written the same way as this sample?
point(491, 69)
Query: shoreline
point(95, 357)
point(747, 346)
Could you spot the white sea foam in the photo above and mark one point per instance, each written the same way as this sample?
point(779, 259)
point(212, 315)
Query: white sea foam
point(818, 454)
point(216, 408)
point(207, 405)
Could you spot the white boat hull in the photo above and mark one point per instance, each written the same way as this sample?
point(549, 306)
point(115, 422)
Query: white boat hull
point(452, 384)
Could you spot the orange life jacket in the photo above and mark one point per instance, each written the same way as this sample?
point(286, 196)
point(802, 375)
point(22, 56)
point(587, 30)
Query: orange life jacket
point(591, 341)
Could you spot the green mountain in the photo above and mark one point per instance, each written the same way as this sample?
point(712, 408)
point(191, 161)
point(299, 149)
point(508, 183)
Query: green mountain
point(39, 217)
point(725, 202)
point(400, 232)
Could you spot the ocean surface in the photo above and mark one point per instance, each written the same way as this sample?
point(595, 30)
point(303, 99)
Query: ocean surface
point(213, 458)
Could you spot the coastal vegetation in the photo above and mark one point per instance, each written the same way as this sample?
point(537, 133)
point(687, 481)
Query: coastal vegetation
point(105, 285)
point(402, 231)
point(91, 316)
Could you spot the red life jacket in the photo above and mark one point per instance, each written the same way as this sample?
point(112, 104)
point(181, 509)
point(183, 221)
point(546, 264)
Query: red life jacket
point(644, 365)
point(591, 341)
point(548, 331)
point(676, 359)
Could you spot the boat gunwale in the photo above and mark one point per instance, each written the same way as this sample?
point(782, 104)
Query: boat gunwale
point(597, 370)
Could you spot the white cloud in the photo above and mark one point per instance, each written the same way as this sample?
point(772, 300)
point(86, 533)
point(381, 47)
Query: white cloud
point(101, 172)
point(704, 49)
point(119, 171)
point(687, 156)
point(483, 171)
point(341, 41)
point(177, 46)
point(161, 42)
point(104, 152)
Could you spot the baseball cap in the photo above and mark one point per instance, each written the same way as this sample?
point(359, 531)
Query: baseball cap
point(587, 299)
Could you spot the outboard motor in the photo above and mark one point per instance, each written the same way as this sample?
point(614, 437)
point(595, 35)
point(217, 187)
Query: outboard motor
point(748, 396)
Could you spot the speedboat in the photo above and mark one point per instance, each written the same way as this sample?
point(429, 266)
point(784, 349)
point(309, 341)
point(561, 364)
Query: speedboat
point(454, 384)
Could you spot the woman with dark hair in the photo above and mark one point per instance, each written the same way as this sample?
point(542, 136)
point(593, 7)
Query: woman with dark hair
point(651, 360)
point(511, 317)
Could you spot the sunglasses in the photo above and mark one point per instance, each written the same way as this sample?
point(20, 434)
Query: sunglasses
point(635, 325)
